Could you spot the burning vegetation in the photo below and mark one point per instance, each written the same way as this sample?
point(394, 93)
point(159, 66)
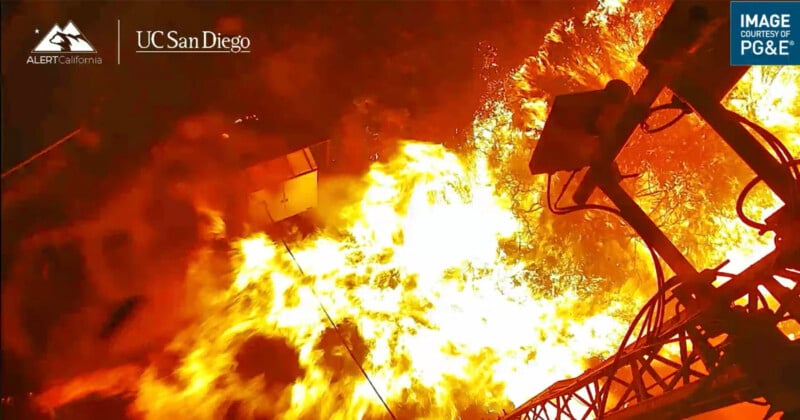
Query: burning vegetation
point(434, 286)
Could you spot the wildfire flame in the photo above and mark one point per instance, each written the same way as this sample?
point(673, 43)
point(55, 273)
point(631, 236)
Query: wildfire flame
point(449, 284)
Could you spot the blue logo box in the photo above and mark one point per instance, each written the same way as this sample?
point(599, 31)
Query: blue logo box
point(765, 33)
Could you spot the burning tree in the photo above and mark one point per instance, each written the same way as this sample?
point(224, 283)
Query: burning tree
point(435, 286)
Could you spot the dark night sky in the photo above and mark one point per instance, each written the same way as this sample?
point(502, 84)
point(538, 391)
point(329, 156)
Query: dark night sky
point(310, 61)
point(412, 55)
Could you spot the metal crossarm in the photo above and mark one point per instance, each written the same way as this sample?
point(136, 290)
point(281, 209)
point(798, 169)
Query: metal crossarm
point(705, 348)
point(681, 371)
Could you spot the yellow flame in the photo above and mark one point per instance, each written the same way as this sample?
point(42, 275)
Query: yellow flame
point(449, 284)
point(429, 287)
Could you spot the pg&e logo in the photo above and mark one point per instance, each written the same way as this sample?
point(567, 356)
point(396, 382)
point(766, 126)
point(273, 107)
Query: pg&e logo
point(765, 33)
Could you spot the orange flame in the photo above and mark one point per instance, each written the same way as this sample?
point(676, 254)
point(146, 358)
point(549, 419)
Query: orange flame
point(450, 285)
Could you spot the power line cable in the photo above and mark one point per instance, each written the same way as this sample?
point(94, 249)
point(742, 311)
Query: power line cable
point(339, 333)
point(41, 153)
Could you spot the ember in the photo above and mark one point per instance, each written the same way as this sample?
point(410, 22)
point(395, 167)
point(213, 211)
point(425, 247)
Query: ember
point(435, 286)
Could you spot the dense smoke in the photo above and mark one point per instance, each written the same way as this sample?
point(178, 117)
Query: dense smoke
point(120, 242)
point(136, 245)
point(109, 220)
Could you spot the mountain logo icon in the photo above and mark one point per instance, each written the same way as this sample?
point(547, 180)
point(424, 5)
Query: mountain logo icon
point(70, 39)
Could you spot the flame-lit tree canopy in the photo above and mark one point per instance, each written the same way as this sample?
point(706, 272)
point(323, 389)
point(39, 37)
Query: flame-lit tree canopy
point(450, 283)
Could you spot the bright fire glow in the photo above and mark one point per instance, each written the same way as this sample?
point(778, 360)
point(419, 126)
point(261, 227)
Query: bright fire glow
point(455, 290)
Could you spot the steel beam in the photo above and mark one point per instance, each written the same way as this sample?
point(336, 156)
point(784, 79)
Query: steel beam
point(644, 226)
point(698, 31)
point(749, 149)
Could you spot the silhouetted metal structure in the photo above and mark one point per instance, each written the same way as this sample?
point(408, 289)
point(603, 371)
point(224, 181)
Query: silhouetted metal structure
point(717, 345)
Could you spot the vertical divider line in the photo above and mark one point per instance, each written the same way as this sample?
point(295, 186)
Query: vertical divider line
point(118, 55)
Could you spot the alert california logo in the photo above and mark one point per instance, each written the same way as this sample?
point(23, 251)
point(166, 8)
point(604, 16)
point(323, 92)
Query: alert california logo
point(67, 45)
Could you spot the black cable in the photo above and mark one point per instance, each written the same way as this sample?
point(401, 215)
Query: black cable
point(339, 334)
point(659, 295)
point(781, 151)
point(571, 209)
point(795, 163)
point(676, 103)
point(554, 208)
point(783, 154)
point(655, 305)
point(564, 188)
point(740, 206)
